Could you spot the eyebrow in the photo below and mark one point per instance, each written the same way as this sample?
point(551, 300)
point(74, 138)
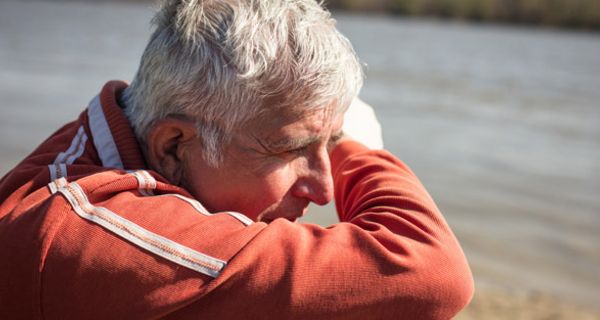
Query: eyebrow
point(296, 143)
point(291, 143)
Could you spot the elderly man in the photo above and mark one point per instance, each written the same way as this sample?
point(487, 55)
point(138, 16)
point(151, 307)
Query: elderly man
point(176, 196)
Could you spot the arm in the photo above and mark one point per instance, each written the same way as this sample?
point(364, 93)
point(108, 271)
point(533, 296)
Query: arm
point(393, 254)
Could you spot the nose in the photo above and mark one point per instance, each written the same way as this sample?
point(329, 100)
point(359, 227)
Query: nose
point(315, 181)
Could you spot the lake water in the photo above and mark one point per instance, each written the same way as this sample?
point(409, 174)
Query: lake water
point(502, 124)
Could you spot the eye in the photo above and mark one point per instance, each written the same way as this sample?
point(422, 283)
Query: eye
point(296, 151)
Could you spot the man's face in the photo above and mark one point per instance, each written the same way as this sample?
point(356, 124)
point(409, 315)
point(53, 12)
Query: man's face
point(274, 167)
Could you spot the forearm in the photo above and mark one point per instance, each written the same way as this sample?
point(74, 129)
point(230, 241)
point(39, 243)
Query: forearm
point(379, 193)
point(392, 256)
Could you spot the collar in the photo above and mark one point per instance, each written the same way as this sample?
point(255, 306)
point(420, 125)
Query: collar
point(112, 134)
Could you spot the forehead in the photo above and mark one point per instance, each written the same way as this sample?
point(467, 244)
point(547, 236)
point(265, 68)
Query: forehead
point(319, 121)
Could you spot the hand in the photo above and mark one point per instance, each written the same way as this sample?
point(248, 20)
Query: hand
point(360, 124)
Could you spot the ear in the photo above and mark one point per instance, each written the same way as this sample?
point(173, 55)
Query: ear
point(167, 143)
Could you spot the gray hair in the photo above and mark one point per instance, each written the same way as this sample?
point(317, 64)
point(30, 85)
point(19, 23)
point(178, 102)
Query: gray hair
point(225, 62)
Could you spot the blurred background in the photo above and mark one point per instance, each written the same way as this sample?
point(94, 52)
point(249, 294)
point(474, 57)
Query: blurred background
point(495, 104)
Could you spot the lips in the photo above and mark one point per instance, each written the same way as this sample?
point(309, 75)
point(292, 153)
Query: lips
point(268, 218)
point(290, 218)
point(268, 221)
point(289, 212)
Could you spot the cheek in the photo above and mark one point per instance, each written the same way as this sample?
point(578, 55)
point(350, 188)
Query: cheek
point(248, 188)
point(272, 187)
point(268, 191)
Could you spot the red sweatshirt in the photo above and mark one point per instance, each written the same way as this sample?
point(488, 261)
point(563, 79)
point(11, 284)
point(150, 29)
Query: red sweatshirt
point(86, 232)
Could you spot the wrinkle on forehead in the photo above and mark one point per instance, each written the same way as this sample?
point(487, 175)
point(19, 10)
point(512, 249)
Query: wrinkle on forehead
point(289, 130)
point(315, 121)
point(287, 116)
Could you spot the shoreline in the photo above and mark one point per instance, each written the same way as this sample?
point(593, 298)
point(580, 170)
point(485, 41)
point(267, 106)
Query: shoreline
point(562, 13)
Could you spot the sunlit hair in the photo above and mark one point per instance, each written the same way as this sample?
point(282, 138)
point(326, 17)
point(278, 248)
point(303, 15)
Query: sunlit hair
point(225, 62)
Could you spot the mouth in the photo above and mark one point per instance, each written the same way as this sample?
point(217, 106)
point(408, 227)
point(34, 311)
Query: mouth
point(289, 214)
point(292, 219)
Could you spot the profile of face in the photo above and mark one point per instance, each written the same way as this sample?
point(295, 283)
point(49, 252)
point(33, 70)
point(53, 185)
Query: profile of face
point(273, 167)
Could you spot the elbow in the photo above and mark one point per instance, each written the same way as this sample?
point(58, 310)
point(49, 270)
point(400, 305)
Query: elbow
point(451, 287)
point(458, 291)
point(441, 282)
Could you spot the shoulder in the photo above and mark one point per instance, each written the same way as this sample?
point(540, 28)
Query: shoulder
point(131, 233)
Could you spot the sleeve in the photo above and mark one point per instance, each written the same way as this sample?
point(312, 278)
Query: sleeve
point(391, 256)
